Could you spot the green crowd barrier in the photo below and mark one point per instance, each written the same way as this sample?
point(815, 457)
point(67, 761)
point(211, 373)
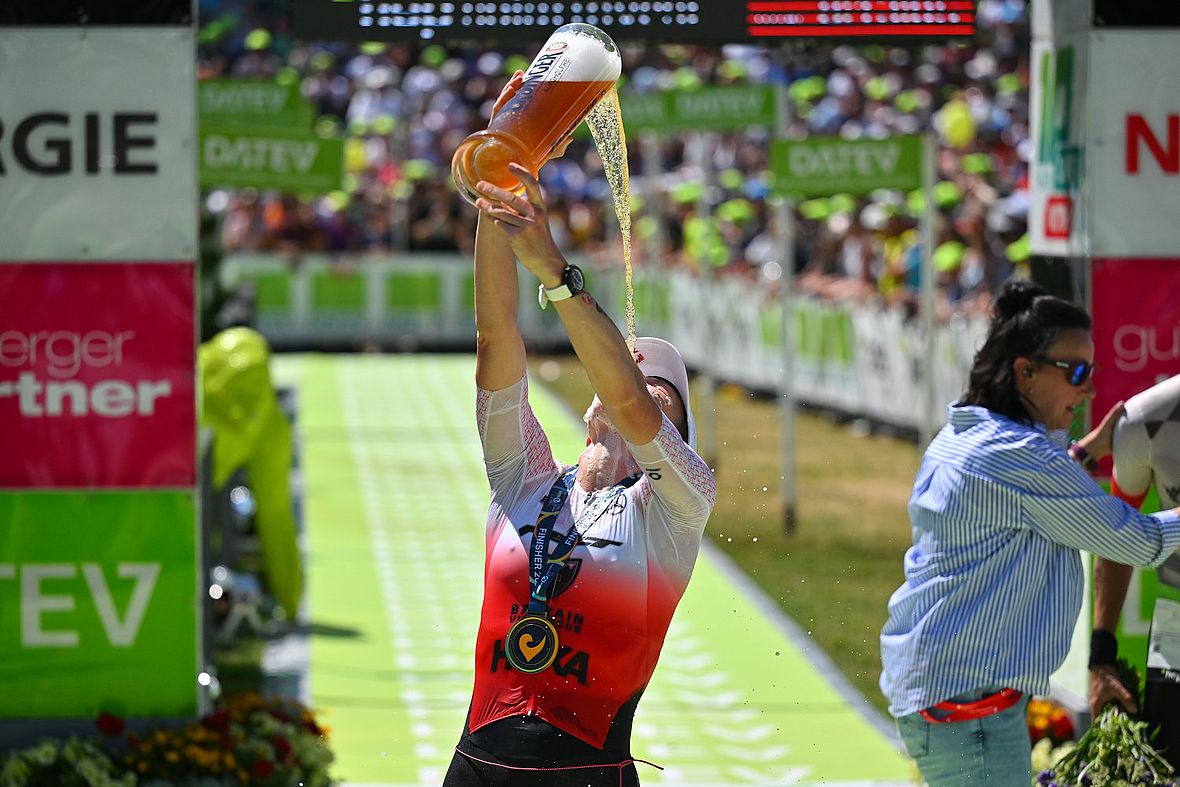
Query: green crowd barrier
point(847, 355)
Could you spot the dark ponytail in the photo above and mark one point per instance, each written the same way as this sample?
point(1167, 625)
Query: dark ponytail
point(1025, 321)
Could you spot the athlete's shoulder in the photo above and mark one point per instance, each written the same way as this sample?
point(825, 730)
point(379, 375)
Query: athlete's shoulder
point(1156, 403)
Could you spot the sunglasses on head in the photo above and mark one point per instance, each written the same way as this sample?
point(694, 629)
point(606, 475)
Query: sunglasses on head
point(1077, 372)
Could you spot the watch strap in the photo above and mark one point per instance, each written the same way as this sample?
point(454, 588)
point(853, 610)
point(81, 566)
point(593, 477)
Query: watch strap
point(559, 293)
point(563, 291)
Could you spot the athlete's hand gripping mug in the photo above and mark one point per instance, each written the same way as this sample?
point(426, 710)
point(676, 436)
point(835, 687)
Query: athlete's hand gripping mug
point(573, 71)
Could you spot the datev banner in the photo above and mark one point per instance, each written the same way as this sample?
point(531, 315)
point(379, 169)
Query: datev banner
point(98, 604)
point(1136, 327)
point(822, 166)
point(252, 102)
point(97, 371)
point(270, 158)
point(704, 109)
point(97, 144)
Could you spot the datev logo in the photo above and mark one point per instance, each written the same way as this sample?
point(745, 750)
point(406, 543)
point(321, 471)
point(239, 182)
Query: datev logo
point(1137, 345)
point(36, 600)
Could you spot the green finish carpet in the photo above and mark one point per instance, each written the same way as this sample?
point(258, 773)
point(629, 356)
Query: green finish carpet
point(396, 499)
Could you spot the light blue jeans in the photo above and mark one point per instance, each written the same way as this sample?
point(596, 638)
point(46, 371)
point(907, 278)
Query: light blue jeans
point(993, 751)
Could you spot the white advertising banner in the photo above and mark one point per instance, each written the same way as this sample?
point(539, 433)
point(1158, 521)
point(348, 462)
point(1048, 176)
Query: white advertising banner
point(1056, 220)
point(1052, 18)
point(97, 144)
point(1133, 163)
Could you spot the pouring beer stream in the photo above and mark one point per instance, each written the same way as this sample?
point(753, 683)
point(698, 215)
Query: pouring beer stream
point(571, 79)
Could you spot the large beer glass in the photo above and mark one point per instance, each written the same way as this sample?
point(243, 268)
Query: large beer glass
point(576, 67)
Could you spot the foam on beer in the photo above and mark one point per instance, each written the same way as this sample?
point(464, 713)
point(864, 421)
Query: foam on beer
point(573, 70)
point(580, 57)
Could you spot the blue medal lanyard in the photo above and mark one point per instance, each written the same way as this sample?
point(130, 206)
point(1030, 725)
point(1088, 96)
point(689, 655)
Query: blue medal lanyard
point(543, 568)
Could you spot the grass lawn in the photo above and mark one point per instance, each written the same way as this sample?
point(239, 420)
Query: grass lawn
point(834, 575)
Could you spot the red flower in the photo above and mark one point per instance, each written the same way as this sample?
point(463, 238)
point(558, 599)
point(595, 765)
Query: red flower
point(218, 721)
point(282, 748)
point(1061, 728)
point(110, 724)
point(262, 768)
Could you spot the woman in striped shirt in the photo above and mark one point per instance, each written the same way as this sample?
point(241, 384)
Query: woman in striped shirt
point(1000, 513)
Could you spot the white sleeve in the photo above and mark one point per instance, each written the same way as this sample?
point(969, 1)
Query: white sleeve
point(680, 480)
point(1132, 455)
point(514, 444)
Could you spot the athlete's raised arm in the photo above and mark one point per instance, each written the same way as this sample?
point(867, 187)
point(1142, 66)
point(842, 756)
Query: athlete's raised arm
point(499, 347)
point(594, 336)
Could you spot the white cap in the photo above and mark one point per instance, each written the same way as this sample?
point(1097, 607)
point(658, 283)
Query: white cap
point(658, 358)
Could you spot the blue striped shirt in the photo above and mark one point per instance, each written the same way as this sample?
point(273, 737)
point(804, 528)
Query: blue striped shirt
point(993, 582)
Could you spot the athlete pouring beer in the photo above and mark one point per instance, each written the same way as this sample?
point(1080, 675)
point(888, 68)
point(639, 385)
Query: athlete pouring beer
point(586, 563)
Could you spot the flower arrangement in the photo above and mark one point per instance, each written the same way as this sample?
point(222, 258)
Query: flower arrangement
point(1114, 752)
point(248, 740)
point(69, 763)
point(268, 742)
point(1046, 755)
point(1047, 719)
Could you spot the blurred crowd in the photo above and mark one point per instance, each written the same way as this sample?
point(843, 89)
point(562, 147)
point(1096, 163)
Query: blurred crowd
point(699, 199)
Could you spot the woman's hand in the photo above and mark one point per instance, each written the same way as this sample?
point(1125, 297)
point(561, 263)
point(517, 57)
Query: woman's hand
point(1099, 442)
point(525, 221)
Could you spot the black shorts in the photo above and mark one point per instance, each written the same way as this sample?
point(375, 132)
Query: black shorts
point(526, 752)
point(466, 772)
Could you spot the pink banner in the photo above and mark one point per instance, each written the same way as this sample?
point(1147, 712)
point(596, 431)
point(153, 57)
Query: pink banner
point(1136, 310)
point(97, 375)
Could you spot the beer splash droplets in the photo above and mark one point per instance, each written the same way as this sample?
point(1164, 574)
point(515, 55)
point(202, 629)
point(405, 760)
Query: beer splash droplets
point(606, 126)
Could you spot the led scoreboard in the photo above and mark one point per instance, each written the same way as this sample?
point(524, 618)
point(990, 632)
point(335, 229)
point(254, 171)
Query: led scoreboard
point(678, 21)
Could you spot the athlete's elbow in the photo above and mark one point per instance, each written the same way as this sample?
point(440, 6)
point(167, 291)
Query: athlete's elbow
point(638, 419)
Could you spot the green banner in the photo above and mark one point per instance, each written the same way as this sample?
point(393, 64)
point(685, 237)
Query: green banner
point(252, 102)
point(270, 158)
point(98, 604)
point(716, 108)
point(644, 112)
point(820, 166)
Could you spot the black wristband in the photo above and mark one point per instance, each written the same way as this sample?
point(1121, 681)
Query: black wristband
point(1104, 648)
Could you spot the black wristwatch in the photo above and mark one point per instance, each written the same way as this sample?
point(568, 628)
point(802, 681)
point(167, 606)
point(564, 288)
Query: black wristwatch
point(572, 282)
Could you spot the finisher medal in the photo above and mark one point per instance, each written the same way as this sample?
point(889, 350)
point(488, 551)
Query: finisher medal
point(531, 644)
